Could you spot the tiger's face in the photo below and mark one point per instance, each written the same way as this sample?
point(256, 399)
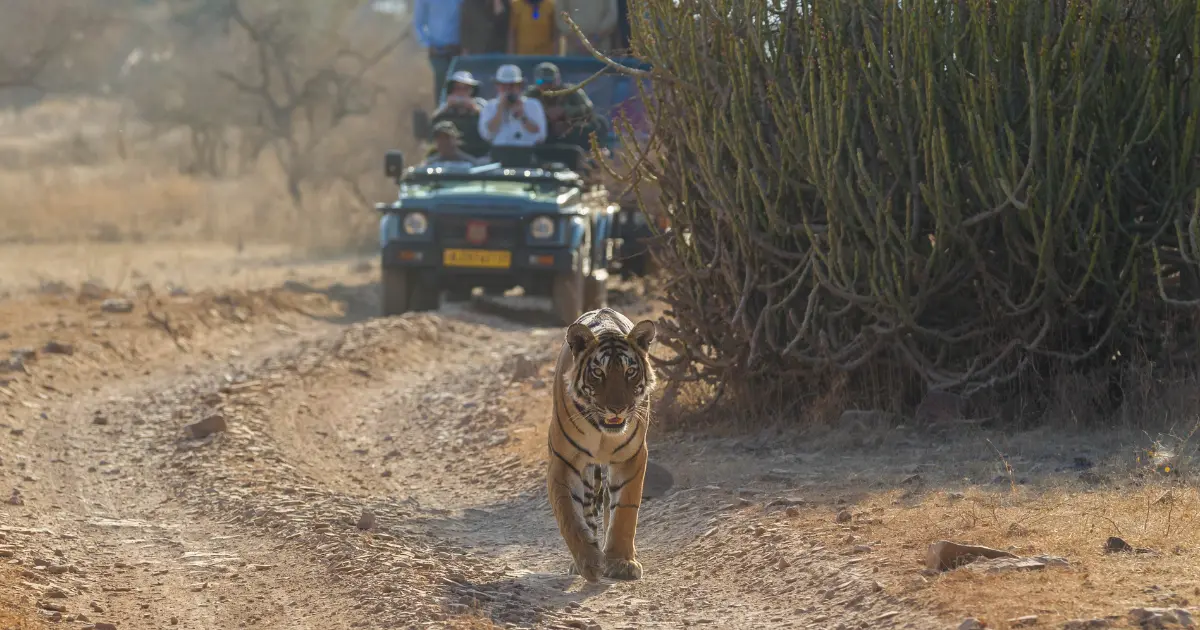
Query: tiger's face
point(611, 377)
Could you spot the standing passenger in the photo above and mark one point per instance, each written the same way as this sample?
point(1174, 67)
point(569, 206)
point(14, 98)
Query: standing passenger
point(596, 18)
point(533, 28)
point(485, 26)
point(437, 24)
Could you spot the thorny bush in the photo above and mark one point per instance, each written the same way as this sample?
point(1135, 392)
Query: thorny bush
point(961, 195)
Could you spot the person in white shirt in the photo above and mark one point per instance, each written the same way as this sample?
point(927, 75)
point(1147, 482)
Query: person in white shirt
point(510, 119)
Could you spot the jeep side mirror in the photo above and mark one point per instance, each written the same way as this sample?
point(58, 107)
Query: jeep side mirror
point(420, 125)
point(393, 164)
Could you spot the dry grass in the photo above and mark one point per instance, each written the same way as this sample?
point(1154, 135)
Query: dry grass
point(1061, 519)
point(64, 181)
point(1047, 491)
point(1085, 474)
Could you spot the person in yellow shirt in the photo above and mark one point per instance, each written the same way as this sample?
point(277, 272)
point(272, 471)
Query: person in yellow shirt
point(533, 28)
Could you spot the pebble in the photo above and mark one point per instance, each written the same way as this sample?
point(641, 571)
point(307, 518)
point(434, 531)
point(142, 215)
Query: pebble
point(1086, 624)
point(116, 305)
point(366, 520)
point(55, 347)
point(214, 423)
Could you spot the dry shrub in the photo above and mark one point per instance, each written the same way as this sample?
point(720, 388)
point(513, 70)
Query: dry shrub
point(964, 196)
point(183, 147)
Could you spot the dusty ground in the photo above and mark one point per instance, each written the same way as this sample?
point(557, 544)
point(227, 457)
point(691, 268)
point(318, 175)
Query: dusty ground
point(387, 473)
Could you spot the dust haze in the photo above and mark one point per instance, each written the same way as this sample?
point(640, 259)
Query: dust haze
point(162, 125)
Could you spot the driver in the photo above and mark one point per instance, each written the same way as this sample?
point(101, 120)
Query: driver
point(569, 116)
point(511, 119)
point(447, 137)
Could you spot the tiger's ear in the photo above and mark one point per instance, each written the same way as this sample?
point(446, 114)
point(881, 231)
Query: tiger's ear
point(642, 334)
point(578, 337)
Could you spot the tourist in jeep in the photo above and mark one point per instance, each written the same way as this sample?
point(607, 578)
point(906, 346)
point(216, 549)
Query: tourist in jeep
point(569, 117)
point(511, 119)
point(462, 107)
point(462, 91)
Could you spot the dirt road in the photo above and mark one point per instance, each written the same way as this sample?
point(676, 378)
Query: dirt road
point(277, 458)
point(370, 473)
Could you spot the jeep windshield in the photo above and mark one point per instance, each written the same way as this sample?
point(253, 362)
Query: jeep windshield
point(540, 190)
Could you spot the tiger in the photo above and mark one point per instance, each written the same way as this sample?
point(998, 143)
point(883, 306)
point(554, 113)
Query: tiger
point(597, 441)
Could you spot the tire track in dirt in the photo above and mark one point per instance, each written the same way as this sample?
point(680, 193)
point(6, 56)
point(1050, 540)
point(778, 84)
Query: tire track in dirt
point(390, 474)
point(98, 538)
point(410, 420)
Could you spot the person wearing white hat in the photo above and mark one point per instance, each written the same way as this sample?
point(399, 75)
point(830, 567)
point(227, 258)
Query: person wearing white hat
point(511, 119)
point(461, 89)
point(463, 107)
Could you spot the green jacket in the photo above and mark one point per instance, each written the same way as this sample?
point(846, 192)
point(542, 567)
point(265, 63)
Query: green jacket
point(576, 105)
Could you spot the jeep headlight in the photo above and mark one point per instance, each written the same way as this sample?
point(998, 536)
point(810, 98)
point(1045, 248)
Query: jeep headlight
point(415, 223)
point(541, 228)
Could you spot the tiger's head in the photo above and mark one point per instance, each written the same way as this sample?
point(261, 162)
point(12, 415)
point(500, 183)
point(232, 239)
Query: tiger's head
point(611, 376)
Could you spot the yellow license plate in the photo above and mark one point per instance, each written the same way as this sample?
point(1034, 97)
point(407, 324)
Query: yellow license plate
point(477, 258)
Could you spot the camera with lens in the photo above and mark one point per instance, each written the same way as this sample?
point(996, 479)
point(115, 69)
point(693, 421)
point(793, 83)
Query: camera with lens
point(512, 97)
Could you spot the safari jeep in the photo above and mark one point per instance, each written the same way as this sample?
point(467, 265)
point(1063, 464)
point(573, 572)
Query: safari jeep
point(613, 96)
point(526, 220)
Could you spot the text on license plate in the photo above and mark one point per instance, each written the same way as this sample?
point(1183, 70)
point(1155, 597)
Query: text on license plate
point(477, 258)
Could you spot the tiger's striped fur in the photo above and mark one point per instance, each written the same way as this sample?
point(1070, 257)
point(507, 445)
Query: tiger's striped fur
point(597, 441)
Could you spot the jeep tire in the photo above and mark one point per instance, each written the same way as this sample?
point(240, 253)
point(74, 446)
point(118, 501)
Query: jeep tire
point(403, 291)
point(394, 285)
point(459, 294)
point(567, 296)
point(595, 293)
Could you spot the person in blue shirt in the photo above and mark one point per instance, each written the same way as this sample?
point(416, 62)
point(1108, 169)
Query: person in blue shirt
point(438, 28)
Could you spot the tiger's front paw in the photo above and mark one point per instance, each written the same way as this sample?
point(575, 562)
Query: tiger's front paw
point(621, 569)
point(591, 569)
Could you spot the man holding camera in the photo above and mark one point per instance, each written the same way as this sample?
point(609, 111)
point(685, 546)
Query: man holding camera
point(511, 119)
